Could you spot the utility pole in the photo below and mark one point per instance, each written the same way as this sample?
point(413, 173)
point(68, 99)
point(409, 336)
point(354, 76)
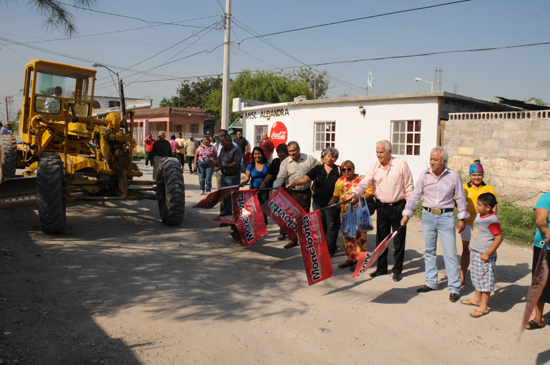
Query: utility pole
point(7, 111)
point(226, 49)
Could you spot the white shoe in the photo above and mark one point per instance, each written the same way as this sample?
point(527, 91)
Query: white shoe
point(203, 193)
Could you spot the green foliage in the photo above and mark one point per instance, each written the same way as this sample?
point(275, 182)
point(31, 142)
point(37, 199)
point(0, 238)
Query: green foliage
point(271, 87)
point(56, 14)
point(517, 222)
point(141, 154)
point(193, 94)
point(536, 101)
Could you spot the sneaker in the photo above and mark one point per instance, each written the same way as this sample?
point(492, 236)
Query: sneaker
point(202, 192)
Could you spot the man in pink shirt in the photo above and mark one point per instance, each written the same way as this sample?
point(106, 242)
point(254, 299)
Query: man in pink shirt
point(267, 145)
point(392, 184)
point(441, 188)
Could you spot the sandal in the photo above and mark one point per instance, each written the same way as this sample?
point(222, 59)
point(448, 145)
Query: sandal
point(345, 264)
point(479, 313)
point(532, 325)
point(469, 302)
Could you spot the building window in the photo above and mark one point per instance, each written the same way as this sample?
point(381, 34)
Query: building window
point(194, 128)
point(325, 135)
point(406, 137)
point(114, 103)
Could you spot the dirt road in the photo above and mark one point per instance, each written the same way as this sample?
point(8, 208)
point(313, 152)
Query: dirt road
point(119, 287)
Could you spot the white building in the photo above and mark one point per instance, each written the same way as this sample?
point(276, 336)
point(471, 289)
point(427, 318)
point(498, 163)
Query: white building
point(414, 123)
point(108, 104)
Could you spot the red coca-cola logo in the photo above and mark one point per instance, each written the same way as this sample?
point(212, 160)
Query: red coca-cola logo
point(278, 134)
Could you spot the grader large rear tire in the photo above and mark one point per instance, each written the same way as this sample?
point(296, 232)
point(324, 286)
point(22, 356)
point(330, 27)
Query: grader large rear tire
point(8, 156)
point(49, 193)
point(171, 192)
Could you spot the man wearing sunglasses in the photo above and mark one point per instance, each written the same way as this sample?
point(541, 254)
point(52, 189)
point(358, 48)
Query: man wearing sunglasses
point(392, 184)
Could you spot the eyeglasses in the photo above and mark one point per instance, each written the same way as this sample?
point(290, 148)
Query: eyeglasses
point(346, 169)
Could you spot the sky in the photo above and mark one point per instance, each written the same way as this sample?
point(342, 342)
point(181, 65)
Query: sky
point(134, 39)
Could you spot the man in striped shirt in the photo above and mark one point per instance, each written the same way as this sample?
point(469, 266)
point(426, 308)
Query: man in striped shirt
point(392, 185)
point(441, 188)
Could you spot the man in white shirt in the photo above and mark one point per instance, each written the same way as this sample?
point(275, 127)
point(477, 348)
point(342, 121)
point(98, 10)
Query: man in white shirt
point(292, 169)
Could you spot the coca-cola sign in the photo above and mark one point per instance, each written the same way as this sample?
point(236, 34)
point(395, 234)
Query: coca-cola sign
point(278, 134)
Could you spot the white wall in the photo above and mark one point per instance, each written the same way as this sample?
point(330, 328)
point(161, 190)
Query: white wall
point(356, 135)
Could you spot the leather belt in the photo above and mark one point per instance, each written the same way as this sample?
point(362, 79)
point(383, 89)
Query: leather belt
point(391, 204)
point(438, 211)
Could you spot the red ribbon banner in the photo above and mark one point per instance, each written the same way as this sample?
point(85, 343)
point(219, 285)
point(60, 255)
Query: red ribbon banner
point(212, 199)
point(283, 210)
point(314, 247)
point(248, 216)
point(367, 259)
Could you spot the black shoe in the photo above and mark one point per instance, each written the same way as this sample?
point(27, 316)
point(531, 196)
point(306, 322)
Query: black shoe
point(425, 289)
point(378, 272)
point(454, 297)
point(397, 276)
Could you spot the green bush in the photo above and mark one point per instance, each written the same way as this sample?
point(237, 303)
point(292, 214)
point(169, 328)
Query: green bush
point(517, 222)
point(141, 154)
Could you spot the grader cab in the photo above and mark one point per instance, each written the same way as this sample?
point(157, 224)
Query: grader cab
point(76, 157)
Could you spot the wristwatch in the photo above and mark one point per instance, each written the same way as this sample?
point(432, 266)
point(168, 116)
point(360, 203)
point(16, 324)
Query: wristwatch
point(463, 220)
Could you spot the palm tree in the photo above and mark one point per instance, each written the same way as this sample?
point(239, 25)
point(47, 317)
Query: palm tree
point(56, 14)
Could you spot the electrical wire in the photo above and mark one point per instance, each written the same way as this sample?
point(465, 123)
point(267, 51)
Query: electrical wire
point(135, 18)
point(376, 59)
point(357, 19)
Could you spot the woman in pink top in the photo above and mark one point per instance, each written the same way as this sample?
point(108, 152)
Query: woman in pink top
point(174, 145)
point(203, 155)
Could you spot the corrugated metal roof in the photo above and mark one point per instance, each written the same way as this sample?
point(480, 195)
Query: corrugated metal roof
point(192, 112)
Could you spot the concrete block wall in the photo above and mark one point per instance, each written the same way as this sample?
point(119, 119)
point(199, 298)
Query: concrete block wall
point(513, 148)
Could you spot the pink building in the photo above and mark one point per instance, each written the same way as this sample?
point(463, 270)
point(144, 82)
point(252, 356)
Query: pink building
point(173, 120)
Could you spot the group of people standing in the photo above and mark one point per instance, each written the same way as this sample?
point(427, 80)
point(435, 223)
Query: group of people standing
point(390, 181)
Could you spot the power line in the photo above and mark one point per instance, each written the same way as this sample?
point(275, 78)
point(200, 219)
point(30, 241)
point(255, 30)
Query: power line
point(376, 59)
point(269, 43)
point(135, 18)
point(356, 19)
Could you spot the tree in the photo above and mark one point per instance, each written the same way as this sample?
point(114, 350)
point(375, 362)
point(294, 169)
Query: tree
point(317, 82)
point(193, 94)
point(56, 14)
point(537, 101)
point(270, 87)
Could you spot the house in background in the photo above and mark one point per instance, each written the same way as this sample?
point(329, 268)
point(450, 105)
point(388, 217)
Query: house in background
point(104, 105)
point(173, 120)
point(413, 122)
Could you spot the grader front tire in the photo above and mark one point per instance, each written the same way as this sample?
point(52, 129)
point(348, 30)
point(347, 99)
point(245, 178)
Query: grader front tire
point(8, 156)
point(171, 192)
point(49, 193)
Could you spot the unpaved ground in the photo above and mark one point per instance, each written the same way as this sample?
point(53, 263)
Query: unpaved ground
point(191, 295)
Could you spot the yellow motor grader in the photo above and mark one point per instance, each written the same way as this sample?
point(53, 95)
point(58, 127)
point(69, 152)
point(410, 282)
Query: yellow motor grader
point(76, 157)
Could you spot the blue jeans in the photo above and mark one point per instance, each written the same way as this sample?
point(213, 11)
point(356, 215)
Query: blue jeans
point(331, 225)
point(444, 225)
point(205, 175)
point(148, 158)
point(227, 201)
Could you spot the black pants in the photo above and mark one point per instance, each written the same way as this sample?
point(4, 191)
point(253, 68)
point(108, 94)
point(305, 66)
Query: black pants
point(303, 198)
point(263, 196)
point(181, 159)
point(388, 219)
point(190, 163)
